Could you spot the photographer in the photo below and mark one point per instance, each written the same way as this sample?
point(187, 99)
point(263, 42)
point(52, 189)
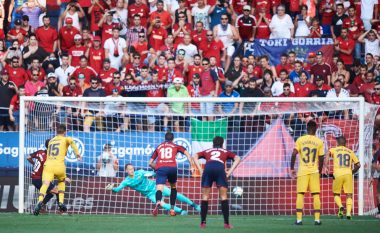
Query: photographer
point(107, 164)
point(216, 11)
point(12, 51)
point(54, 87)
point(120, 16)
point(73, 11)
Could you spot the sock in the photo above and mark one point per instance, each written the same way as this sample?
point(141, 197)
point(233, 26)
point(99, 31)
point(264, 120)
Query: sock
point(348, 206)
point(338, 200)
point(167, 207)
point(47, 198)
point(173, 197)
point(43, 190)
point(299, 206)
point(158, 196)
point(182, 198)
point(204, 210)
point(317, 207)
point(61, 191)
point(225, 211)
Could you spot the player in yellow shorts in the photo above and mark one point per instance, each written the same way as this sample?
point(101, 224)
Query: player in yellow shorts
point(311, 152)
point(54, 166)
point(343, 159)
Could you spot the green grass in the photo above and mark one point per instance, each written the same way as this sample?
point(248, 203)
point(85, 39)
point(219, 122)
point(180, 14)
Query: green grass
point(19, 223)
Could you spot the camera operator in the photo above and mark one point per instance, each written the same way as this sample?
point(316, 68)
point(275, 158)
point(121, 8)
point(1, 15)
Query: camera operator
point(54, 87)
point(107, 164)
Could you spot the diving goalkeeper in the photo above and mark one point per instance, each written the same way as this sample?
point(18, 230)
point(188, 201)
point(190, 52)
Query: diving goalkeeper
point(139, 182)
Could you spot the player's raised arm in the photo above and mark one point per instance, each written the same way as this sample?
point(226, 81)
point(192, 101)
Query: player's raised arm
point(75, 148)
point(293, 162)
point(30, 159)
point(326, 164)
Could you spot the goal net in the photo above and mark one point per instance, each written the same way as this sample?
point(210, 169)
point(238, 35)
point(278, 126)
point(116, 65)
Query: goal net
point(113, 132)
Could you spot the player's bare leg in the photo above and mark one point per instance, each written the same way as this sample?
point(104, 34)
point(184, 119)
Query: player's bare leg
point(225, 207)
point(204, 206)
point(159, 189)
point(173, 197)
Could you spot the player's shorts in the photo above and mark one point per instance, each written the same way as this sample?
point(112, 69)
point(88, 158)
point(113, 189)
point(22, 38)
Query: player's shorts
point(214, 172)
point(308, 182)
point(38, 184)
point(53, 170)
point(344, 181)
point(166, 173)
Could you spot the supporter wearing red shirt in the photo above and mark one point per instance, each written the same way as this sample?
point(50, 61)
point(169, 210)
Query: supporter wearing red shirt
point(66, 36)
point(263, 20)
point(96, 11)
point(107, 25)
point(212, 48)
point(164, 16)
point(47, 36)
point(135, 66)
point(326, 9)
point(194, 68)
point(17, 33)
point(353, 23)
point(181, 28)
point(96, 55)
point(33, 85)
point(208, 87)
point(375, 97)
point(283, 65)
point(161, 69)
point(72, 89)
point(193, 89)
point(106, 73)
point(172, 72)
point(115, 84)
point(16, 73)
point(198, 36)
point(141, 46)
point(85, 70)
point(157, 34)
point(316, 30)
point(345, 46)
point(238, 5)
point(36, 65)
point(321, 68)
point(156, 92)
point(138, 8)
point(76, 51)
point(246, 24)
point(367, 87)
point(263, 4)
point(303, 87)
point(360, 79)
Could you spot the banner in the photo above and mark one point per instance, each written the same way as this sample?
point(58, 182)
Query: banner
point(273, 48)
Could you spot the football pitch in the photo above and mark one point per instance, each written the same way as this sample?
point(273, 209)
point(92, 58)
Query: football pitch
point(19, 223)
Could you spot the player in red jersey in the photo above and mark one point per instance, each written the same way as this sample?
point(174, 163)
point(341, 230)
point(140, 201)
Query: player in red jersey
point(215, 172)
point(166, 169)
point(38, 159)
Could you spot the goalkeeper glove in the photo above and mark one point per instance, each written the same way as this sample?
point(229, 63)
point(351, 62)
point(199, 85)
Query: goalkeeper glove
point(110, 186)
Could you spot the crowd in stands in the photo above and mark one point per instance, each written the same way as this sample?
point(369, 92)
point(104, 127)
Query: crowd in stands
point(193, 48)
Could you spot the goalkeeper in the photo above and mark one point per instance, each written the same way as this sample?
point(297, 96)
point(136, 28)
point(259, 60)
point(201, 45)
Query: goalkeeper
point(139, 182)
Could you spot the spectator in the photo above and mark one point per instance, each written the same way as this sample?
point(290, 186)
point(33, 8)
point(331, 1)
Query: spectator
point(217, 10)
point(178, 90)
point(213, 48)
point(181, 28)
point(198, 35)
point(157, 34)
point(193, 68)
point(281, 25)
point(345, 47)
point(33, 85)
point(107, 72)
point(77, 51)
point(283, 65)
point(320, 89)
point(209, 88)
point(263, 20)
point(341, 70)
point(183, 9)
point(246, 25)
point(194, 91)
point(189, 48)
point(72, 89)
point(138, 8)
point(121, 16)
point(264, 62)
point(371, 41)
point(355, 28)
point(115, 49)
point(84, 69)
point(369, 8)
point(321, 68)
point(14, 107)
point(53, 86)
point(17, 33)
point(135, 30)
point(338, 92)
point(228, 34)
point(326, 9)
point(47, 36)
point(114, 112)
point(33, 51)
point(316, 30)
point(96, 54)
point(107, 164)
point(267, 80)
point(7, 90)
point(66, 36)
point(93, 115)
point(64, 70)
point(278, 86)
point(75, 12)
point(32, 9)
point(235, 70)
point(369, 61)
point(13, 51)
point(337, 21)
point(16, 74)
point(200, 12)
point(96, 11)
point(26, 26)
point(303, 87)
point(163, 15)
point(302, 23)
point(171, 71)
point(230, 107)
point(107, 24)
point(367, 88)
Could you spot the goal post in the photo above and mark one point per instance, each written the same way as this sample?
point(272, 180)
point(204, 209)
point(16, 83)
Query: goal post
point(262, 131)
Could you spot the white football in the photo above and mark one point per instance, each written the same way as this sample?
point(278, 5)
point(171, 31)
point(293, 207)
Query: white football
point(237, 191)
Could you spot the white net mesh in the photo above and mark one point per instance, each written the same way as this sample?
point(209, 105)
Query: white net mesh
point(261, 133)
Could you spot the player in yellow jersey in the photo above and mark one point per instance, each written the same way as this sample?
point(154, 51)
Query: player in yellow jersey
point(343, 159)
point(54, 166)
point(311, 152)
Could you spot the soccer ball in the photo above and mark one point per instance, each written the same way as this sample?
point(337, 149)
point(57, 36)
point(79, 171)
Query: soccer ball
point(237, 191)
